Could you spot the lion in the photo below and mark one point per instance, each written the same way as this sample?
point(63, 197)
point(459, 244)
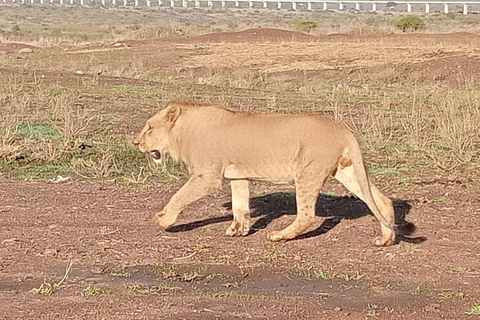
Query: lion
point(216, 142)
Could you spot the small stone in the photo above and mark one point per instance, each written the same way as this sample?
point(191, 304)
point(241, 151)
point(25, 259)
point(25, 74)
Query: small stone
point(25, 50)
point(117, 44)
point(79, 72)
point(337, 309)
point(434, 307)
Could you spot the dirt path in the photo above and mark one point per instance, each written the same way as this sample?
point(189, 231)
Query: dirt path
point(124, 267)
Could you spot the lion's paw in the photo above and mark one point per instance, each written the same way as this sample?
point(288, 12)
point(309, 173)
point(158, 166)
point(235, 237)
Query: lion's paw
point(382, 241)
point(232, 230)
point(276, 236)
point(164, 220)
point(238, 229)
point(244, 229)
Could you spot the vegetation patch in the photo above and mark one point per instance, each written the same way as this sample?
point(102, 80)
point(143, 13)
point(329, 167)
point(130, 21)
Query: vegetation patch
point(410, 23)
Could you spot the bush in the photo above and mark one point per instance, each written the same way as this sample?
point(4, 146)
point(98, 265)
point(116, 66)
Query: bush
point(306, 26)
point(410, 22)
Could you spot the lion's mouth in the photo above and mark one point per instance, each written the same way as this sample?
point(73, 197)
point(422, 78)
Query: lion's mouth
point(155, 154)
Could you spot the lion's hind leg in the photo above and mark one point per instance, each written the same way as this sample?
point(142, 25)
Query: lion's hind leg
point(240, 207)
point(347, 176)
point(308, 185)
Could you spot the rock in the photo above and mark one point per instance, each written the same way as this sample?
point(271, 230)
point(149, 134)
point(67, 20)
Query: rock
point(79, 72)
point(60, 179)
point(25, 50)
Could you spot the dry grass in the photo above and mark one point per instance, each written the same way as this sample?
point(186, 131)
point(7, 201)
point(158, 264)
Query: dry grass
point(334, 54)
point(51, 26)
point(453, 138)
point(390, 90)
point(8, 150)
point(56, 133)
point(443, 133)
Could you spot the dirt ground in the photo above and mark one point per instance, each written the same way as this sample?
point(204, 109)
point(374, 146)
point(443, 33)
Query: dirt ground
point(196, 272)
point(84, 250)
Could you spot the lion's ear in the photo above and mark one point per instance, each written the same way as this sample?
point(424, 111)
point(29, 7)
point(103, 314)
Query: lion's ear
point(172, 115)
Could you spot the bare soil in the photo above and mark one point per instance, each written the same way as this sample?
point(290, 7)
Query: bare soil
point(125, 267)
point(13, 47)
point(256, 34)
point(104, 231)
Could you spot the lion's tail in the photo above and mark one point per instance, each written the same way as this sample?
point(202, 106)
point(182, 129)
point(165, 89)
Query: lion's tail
point(363, 181)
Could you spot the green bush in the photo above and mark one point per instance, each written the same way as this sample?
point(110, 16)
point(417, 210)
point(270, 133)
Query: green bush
point(306, 26)
point(410, 22)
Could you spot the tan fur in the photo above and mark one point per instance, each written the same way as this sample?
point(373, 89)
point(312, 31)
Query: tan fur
point(215, 143)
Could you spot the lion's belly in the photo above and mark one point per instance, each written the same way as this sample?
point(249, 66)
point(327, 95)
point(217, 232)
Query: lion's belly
point(276, 173)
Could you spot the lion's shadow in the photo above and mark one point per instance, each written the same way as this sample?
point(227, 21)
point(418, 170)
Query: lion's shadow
point(333, 208)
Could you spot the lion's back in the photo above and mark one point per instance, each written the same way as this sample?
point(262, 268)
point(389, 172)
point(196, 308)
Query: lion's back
point(230, 136)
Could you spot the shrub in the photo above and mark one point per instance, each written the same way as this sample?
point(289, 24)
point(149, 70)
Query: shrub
point(306, 26)
point(451, 15)
point(410, 22)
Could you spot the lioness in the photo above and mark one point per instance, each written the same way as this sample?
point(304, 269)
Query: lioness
point(215, 142)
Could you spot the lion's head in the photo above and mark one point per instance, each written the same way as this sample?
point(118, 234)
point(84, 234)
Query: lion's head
point(155, 137)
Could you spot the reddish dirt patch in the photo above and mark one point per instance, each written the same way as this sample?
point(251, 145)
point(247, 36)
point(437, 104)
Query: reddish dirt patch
point(195, 272)
point(445, 68)
point(14, 47)
point(249, 35)
point(254, 35)
point(272, 34)
point(455, 37)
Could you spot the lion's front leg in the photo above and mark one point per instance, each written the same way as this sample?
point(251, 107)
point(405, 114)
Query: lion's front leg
point(197, 187)
point(240, 207)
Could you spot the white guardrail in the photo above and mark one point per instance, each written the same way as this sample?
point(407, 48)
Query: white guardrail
point(267, 4)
